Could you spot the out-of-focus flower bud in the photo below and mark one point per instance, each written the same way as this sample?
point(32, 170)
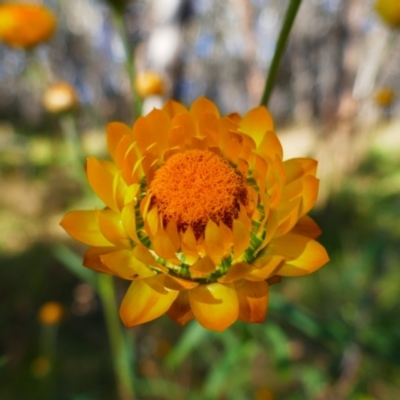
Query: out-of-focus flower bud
point(51, 313)
point(25, 25)
point(389, 11)
point(40, 367)
point(60, 97)
point(149, 83)
point(384, 96)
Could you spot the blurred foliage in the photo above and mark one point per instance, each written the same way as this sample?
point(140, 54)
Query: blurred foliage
point(332, 335)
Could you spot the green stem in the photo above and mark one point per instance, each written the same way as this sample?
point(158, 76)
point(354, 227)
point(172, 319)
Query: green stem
point(129, 61)
point(76, 154)
point(119, 346)
point(280, 49)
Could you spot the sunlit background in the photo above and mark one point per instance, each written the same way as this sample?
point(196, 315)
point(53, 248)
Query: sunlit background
point(334, 335)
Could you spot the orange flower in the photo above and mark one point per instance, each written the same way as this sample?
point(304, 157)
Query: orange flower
point(201, 214)
point(384, 96)
point(51, 313)
point(389, 11)
point(60, 97)
point(149, 83)
point(25, 25)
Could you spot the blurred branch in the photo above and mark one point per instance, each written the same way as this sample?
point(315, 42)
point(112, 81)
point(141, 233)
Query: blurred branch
point(290, 16)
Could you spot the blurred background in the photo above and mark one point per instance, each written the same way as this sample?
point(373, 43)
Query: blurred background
point(329, 336)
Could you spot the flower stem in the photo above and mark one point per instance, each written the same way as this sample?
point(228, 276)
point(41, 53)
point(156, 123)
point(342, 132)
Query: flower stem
point(71, 137)
point(280, 49)
point(118, 341)
point(129, 61)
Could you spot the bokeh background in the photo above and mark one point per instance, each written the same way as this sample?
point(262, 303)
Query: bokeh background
point(330, 336)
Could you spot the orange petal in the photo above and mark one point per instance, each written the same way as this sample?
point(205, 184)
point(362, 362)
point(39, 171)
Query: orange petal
point(152, 221)
point(144, 255)
point(145, 300)
point(289, 214)
point(84, 227)
point(174, 283)
point(131, 194)
point(173, 234)
point(124, 145)
point(266, 266)
point(128, 219)
point(233, 147)
point(241, 238)
point(115, 132)
point(235, 117)
point(180, 310)
point(303, 255)
point(270, 146)
point(201, 106)
point(214, 244)
point(215, 305)
point(253, 300)
point(163, 247)
point(119, 190)
point(256, 122)
point(100, 174)
point(295, 168)
point(159, 124)
point(306, 227)
point(208, 127)
point(236, 271)
point(186, 123)
point(123, 264)
point(91, 259)
point(309, 194)
point(132, 170)
point(111, 227)
point(144, 136)
point(189, 246)
point(173, 108)
point(202, 267)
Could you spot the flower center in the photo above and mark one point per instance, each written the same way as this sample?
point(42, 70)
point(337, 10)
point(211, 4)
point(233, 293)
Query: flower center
point(195, 186)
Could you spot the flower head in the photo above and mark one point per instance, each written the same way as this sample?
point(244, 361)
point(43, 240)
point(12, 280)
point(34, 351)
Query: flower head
point(25, 25)
point(389, 11)
point(201, 214)
point(51, 313)
point(149, 83)
point(384, 96)
point(60, 97)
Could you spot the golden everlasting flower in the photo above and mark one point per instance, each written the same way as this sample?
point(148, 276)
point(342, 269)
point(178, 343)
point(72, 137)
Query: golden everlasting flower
point(201, 214)
point(51, 313)
point(384, 96)
point(25, 25)
point(389, 11)
point(60, 97)
point(149, 83)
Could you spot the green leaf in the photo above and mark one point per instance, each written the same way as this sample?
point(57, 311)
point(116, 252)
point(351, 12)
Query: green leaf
point(190, 339)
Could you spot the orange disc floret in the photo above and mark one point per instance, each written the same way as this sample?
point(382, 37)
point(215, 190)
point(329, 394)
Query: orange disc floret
point(195, 186)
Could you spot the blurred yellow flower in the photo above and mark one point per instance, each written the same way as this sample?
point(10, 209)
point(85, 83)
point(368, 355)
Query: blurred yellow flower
point(389, 11)
point(201, 212)
point(51, 313)
point(25, 25)
point(149, 83)
point(40, 367)
point(384, 96)
point(60, 97)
